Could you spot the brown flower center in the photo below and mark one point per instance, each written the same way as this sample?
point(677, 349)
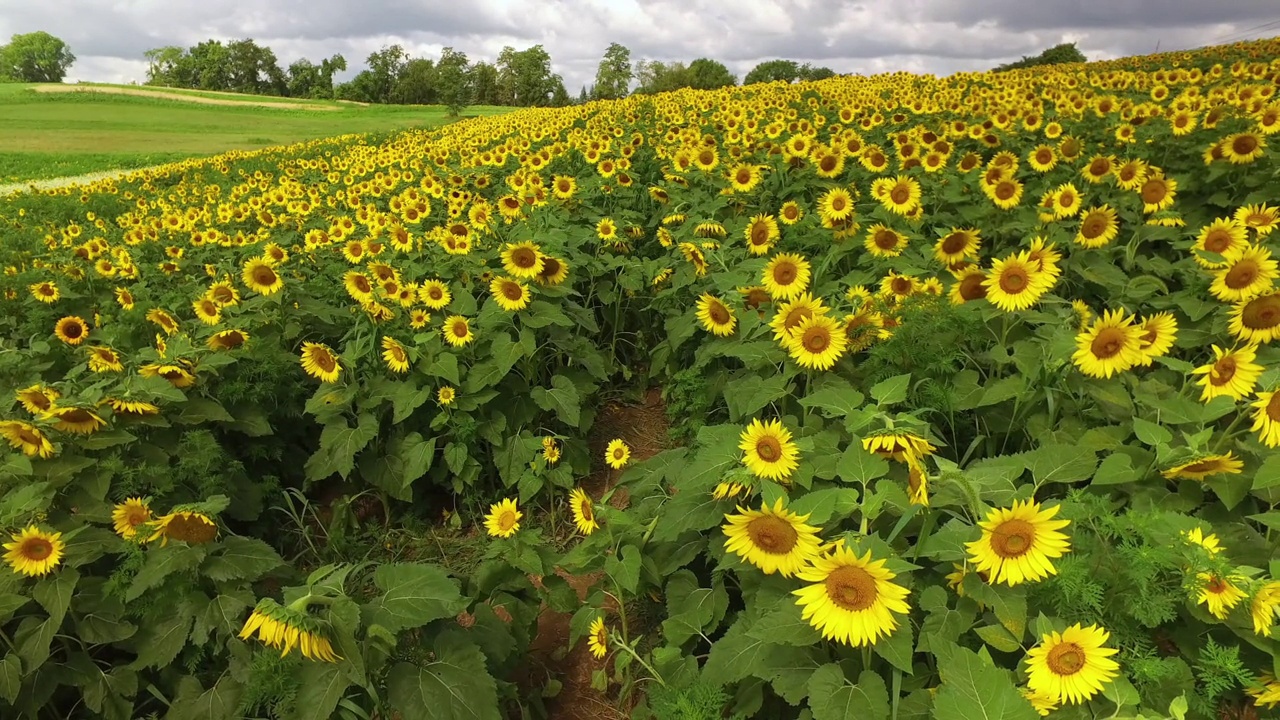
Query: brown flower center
point(460, 329)
point(73, 330)
point(1262, 313)
point(323, 359)
point(1066, 659)
point(972, 288)
point(36, 548)
point(760, 234)
point(901, 286)
point(816, 339)
point(1154, 191)
point(524, 258)
point(1245, 144)
point(1217, 240)
point(955, 243)
point(264, 276)
point(1203, 466)
point(1014, 280)
point(1094, 226)
point(886, 239)
point(506, 521)
point(1013, 538)
point(1242, 274)
point(1108, 343)
point(718, 312)
point(772, 534)
point(851, 588)
point(512, 291)
point(1099, 167)
point(838, 204)
point(192, 528)
point(769, 448)
point(785, 272)
point(1273, 408)
point(1223, 371)
point(1005, 190)
point(900, 194)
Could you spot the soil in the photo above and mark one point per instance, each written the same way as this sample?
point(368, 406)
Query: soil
point(644, 428)
point(182, 97)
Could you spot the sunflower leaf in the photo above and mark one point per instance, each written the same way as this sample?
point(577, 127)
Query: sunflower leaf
point(858, 465)
point(833, 697)
point(456, 685)
point(974, 690)
point(413, 594)
point(321, 688)
point(1062, 463)
point(892, 390)
point(748, 394)
point(563, 398)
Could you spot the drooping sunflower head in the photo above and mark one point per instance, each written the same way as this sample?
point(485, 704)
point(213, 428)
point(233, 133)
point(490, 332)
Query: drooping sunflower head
point(394, 355)
point(583, 509)
point(186, 524)
point(773, 539)
point(227, 340)
point(288, 627)
point(38, 398)
point(77, 420)
point(27, 438)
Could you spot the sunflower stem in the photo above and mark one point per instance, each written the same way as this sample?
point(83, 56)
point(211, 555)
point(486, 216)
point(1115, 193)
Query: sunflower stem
point(653, 674)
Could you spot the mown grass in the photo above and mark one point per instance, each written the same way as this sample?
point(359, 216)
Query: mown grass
point(47, 135)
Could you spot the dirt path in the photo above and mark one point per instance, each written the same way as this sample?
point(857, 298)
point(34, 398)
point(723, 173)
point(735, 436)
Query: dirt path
point(51, 183)
point(182, 97)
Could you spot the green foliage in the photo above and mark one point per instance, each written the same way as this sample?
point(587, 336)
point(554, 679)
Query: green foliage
point(1056, 55)
point(36, 57)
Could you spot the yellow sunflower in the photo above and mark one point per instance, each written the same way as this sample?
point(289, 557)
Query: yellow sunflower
point(509, 294)
point(768, 451)
point(1246, 274)
point(75, 420)
point(1202, 467)
point(900, 195)
point(1263, 606)
point(26, 437)
point(523, 260)
point(1111, 344)
point(503, 519)
point(834, 207)
point(207, 311)
point(773, 539)
point(1243, 148)
point(1222, 237)
point(1018, 543)
point(37, 398)
point(130, 515)
point(289, 627)
point(884, 241)
point(791, 314)
point(554, 271)
point(617, 454)
point(319, 361)
point(1016, 283)
point(971, 284)
point(394, 355)
point(851, 599)
point(761, 233)
point(957, 246)
point(34, 552)
point(46, 292)
point(584, 514)
point(1071, 666)
point(1098, 227)
point(189, 526)
point(1157, 192)
point(598, 639)
point(1232, 373)
point(898, 445)
point(260, 277)
point(435, 294)
point(1260, 217)
point(1266, 418)
point(71, 330)
point(227, 340)
point(715, 316)
point(786, 276)
point(818, 342)
point(1267, 693)
point(1257, 320)
point(446, 395)
point(1158, 333)
point(457, 331)
point(1217, 593)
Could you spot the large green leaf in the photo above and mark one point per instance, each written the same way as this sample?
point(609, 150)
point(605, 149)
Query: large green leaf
point(321, 689)
point(339, 443)
point(242, 558)
point(833, 697)
point(455, 685)
point(835, 396)
point(162, 562)
point(736, 655)
point(858, 465)
point(413, 594)
point(160, 642)
point(974, 690)
point(748, 394)
point(1062, 463)
point(54, 593)
point(563, 398)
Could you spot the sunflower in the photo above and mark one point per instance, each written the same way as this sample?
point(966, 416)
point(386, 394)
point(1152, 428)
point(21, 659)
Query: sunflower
point(1263, 606)
point(1111, 344)
point(1232, 373)
point(884, 241)
point(435, 294)
point(185, 525)
point(1260, 217)
point(287, 627)
point(164, 320)
point(124, 298)
point(34, 552)
point(223, 293)
point(898, 445)
point(761, 233)
point(598, 639)
point(617, 454)
point(358, 286)
point(71, 330)
point(1043, 158)
point(37, 398)
point(1224, 236)
point(584, 514)
point(768, 451)
point(1267, 692)
point(791, 213)
point(320, 363)
point(1098, 227)
point(786, 276)
point(394, 355)
point(1209, 542)
point(1018, 543)
point(970, 285)
point(851, 598)
point(1204, 466)
point(1042, 702)
point(457, 331)
point(1098, 169)
point(607, 230)
point(446, 395)
point(1219, 594)
point(1243, 148)
point(724, 490)
point(1157, 192)
point(207, 311)
point(26, 437)
point(46, 292)
point(177, 375)
point(554, 271)
point(130, 515)
point(791, 314)
point(509, 294)
point(75, 420)
point(1015, 283)
point(131, 408)
point(1006, 193)
point(1071, 666)
point(1158, 333)
point(715, 316)
point(503, 519)
point(227, 340)
point(522, 260)
point(917, 481)
point(957, 246)
point(550, 450)
point(1247, 272)
point(834, 207)
point(260, 277)
point(900, 195)
point(773, 539)
point(817, 342)
point(1066, 201)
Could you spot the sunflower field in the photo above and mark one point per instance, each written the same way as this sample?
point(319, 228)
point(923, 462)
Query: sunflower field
point(969, 391)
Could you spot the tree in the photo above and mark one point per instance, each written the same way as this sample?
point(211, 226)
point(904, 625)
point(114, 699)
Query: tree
point(560, 96)
point(162, 65)
point(613, 76)
point(654, 76)
point(333, 64)
point(810, 73)
point(416, 84)
point(484, 84)
point(453, 82)
point(773, 71)
point(385, 67)
point(524, 77)
point(708, 74)
point(35, 57)
point(1056, 55)
point(253, 68)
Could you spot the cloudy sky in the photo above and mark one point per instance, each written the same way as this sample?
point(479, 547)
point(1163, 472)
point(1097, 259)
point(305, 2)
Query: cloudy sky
point(109, 36)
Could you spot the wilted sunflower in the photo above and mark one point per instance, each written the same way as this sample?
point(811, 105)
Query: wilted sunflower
point(26, 437)
point(503, 519)
point(1110, 345)
point(786, 276)
point(1018, 543)
point(715, 316)
point(289, 627)
point(598, 639)
point(773, 539)
point(584, 513)
point(320, 363)
point(1232, 373)
point(509, 294)
point(1016, 283)
point(617, 454)
point(818, 342)
point(1204, 466)
point(768, 451)
point(186, 525)
point(34, 552)
point(260, 277)
point(130, 515)
point(1071, 666)
point(1219, 594)
point(71, 330)
point(898, 445)
point(75, 420)
point(851, 599)
point(394, 355)
point(522, 260)
point(457, 331)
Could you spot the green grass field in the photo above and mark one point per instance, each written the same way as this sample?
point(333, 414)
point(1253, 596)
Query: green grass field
point(47, 135)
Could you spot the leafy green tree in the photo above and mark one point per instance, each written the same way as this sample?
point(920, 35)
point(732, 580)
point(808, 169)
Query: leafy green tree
point(335, 63)
point(773, 71)
point(560, 96)
point(708, 74)
point(385, 66)
point(416, 84)
point(35, 57)
point(524, 77)
point(453, 82)
point(162, 65)
point(1056, 55)
point(613, 76)
point(253, 68)
point(484, 83)
point(206, 66)
point(654, 76)
point(809, 73)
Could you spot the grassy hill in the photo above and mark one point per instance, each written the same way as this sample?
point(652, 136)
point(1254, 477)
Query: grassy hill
point(87, 128)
